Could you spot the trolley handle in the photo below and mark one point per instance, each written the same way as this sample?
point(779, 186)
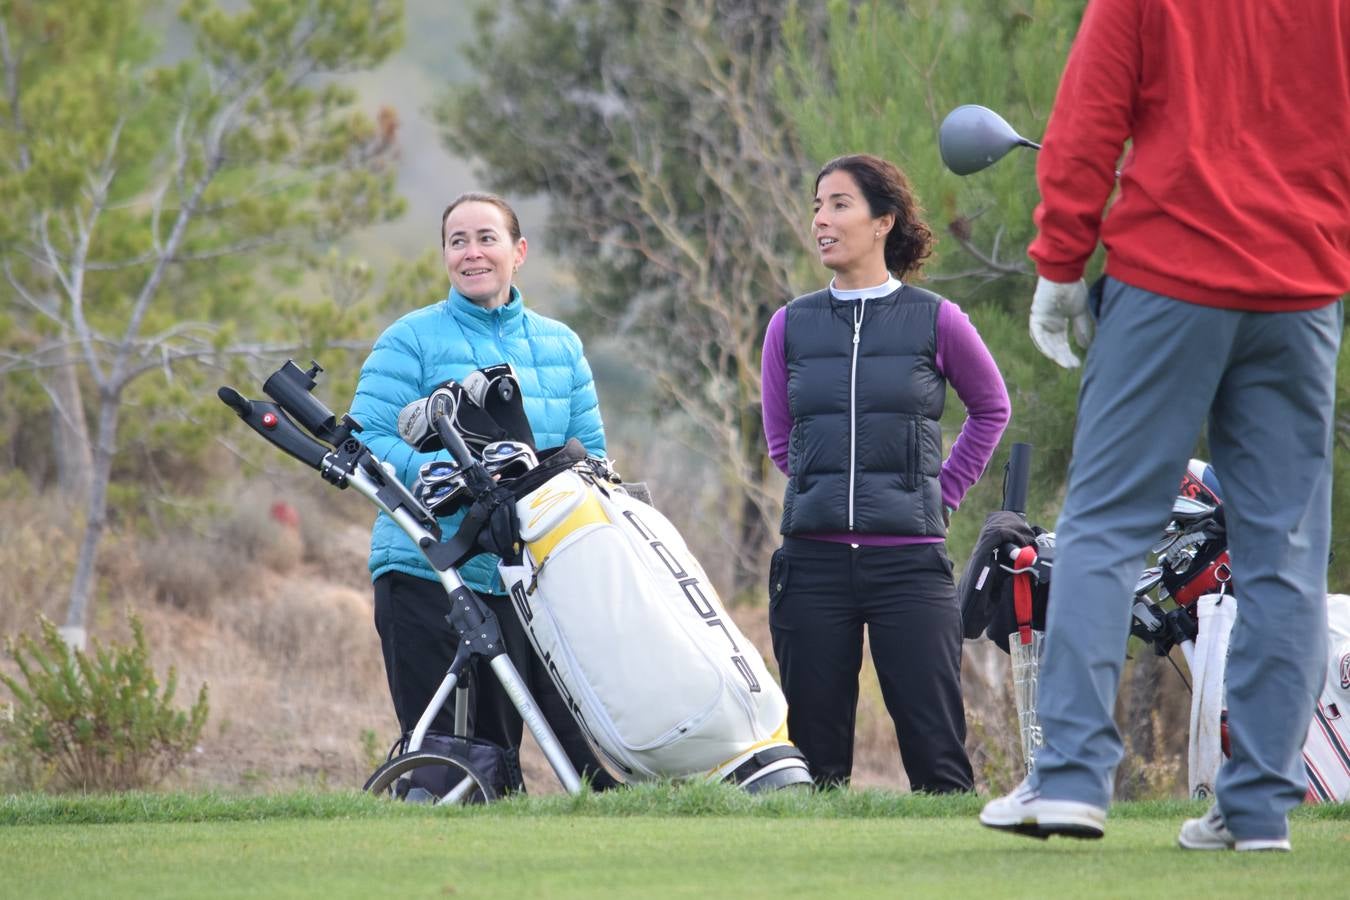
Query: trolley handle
point(270, 421)
point(1016, 479)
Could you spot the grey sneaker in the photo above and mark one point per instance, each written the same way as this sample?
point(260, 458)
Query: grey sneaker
point(1209, 832)
point(1025, 812)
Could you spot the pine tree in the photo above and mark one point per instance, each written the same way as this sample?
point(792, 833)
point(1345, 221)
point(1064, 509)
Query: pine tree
point(154, 207)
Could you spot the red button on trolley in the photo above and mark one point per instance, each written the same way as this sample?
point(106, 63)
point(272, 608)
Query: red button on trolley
point(269, 420)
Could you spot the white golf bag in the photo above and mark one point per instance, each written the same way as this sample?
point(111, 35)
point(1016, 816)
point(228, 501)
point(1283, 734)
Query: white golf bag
point(1326, 750)
point(660, 679)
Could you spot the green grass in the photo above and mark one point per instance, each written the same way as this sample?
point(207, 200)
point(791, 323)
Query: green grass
point(692, 841)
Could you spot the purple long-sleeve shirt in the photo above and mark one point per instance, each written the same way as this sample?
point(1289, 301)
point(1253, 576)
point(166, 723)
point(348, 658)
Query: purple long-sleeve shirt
point(962, 358)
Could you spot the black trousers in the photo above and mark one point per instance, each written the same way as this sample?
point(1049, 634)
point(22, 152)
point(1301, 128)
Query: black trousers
point(821, 596)
point(418, 645)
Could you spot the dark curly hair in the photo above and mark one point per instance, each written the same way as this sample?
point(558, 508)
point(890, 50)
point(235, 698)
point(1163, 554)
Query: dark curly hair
point(887, 190)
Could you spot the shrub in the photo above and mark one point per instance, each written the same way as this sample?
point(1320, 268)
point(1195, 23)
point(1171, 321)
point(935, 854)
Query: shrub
point(93, 722)
point(183, 571)
point(248, 530)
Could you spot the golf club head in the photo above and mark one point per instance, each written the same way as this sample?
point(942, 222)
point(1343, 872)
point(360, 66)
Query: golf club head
point(1187, 511)
point(438, 471)
point(1148, 580)
point(974, 137)
point(508, 458)
point(444, 497)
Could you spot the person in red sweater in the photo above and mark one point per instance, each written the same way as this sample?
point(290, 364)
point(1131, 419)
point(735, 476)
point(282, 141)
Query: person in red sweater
point(1227, 250)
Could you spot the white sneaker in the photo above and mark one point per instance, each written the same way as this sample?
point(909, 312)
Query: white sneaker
point(1209, 832)
point(1025, 812)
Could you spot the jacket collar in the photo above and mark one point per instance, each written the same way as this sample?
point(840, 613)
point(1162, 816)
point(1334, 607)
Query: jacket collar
point(471, 315)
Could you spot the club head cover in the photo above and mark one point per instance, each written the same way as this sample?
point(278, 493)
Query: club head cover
point(496, 389)
point(417, 420)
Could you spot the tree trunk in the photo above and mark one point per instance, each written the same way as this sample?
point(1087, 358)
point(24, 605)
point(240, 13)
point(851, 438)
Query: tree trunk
point(752, 533)
point(1137, 704)
point(71, 447)
point(96, 517)
point(749, 576)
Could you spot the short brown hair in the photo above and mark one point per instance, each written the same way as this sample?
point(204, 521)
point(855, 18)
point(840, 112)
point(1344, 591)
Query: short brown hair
point(887, 190)
point(512, 221)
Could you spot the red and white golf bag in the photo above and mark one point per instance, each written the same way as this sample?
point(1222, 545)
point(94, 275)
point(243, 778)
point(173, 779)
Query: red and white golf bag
point(1326, 753)
point(1326, 749)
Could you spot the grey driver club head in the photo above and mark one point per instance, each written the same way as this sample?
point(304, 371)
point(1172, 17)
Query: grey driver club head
point(974, 137)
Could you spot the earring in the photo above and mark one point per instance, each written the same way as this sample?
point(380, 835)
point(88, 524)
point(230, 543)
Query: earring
point(875, 235)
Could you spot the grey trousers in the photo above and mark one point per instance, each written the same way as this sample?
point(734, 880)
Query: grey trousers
point(1156, 371)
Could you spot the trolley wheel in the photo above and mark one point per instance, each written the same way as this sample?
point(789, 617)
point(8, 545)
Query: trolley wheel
point(394, 780)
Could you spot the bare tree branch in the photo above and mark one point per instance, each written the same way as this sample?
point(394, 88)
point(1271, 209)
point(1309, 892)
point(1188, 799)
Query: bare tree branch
point(12, 65)
point(48, 310)
point(960, 233)
point(235, 249)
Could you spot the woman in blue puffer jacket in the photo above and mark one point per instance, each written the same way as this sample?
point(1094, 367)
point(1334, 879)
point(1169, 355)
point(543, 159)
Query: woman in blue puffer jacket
point(482, 322)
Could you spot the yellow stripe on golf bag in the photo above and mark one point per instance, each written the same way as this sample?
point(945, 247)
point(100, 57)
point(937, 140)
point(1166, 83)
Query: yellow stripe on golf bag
point(581, 506)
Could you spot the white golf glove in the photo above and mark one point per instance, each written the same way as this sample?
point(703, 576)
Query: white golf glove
point(1054, 307)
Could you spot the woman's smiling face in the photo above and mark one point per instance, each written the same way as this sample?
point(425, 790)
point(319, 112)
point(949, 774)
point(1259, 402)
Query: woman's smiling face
point(480, 256)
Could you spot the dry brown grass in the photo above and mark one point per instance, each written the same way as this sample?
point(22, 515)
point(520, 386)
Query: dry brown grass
point(296, 679)
point(291, 657)
point(1154, 707)
point(993, 739)
point(248, 532)
point(37, 555)
point(184, 572)
point(278, 621)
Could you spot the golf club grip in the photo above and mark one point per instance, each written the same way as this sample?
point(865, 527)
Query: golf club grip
point(1016, 478)
point(451, 440)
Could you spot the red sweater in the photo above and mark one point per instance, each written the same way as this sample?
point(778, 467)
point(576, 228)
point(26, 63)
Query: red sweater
point(1236, 189)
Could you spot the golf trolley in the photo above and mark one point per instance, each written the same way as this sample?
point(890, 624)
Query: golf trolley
point(1186, 600)
point(507, 477)
point(347, 462)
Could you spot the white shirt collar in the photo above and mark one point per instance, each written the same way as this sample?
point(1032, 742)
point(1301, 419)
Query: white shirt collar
point(889, 286)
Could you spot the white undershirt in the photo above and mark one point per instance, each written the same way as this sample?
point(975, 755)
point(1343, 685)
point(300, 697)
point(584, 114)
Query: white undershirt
point(889, 286)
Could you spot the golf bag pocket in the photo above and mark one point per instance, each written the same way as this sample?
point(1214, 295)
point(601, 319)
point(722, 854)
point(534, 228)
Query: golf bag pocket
point(656, 674)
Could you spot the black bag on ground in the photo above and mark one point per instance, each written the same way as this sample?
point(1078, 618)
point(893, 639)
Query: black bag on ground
point(499, 767)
